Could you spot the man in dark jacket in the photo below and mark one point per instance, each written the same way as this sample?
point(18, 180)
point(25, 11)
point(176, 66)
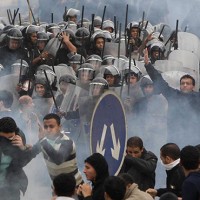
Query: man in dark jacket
point(12, 160)
point(170, 157)
point(183, 106)
point(140, 164)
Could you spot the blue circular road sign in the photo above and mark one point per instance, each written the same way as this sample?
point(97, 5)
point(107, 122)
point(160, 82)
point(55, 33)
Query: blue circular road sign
point(108, 131)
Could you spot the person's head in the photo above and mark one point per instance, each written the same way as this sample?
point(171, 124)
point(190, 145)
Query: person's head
point(133, 75)
point(189, 158)
point(147, 86)
point(40, 89)
point(98, 39)
point(65, 81)
point(26, 103)
point(6, 99)
point(8, 128)
point(135, 147)
point(134, 29)
point(114, 188)
point(86, 73)
point(75, 61)
point(108, 25)
point(42, 39)
point(156, 52)
point(52, 125)
point(97, 22)
point(98, 86)
point(71, 15)
point(96, 167)
point(64, 185)
point(169, 153)
point(135, 32)
point(82, 35)
point(127, 178)
point(187, 83)
point(14, 38)
point(30, 33)
point(95, 61)
point(112, 75)
point(168, 196)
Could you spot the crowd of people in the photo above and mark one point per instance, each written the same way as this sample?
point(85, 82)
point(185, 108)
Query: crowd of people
point(53, 74)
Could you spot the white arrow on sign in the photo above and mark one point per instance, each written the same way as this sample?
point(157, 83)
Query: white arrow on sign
point(100, 144)
point(116, 145)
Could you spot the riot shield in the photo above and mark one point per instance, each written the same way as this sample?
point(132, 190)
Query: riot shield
point(189, 60)
point(172, 65)
point(53, 46)
point(70, 99)
point(140, 65)
point(119, 63)
point(190, 42)
point(63, 69)
point(112, 48)
point(166, 31)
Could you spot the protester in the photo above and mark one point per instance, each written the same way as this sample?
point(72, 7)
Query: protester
point(58, 149)
point(140, 163)
point(96, 171)
point(170, 157)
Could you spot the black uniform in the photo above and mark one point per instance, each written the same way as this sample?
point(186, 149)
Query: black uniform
point(8, 57)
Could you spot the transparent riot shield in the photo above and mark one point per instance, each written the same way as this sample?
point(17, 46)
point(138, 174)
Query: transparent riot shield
point(189, 60)
point(53, 46)
point(112, 48)
point(63, 69)
point(189, 42)
point(69, 106)
point(166, 31)
point(172, 65)
point(140, 65)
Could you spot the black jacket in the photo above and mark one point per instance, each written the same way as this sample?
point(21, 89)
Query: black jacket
point(174, 181)
point(183, 109)
point(141, 169)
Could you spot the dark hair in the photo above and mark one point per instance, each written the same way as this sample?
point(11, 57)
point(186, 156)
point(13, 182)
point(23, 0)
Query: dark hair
point(115, 187)
point(8, 125)
point(127, 178)
point(99, 163)
point(52, 116)
point(170, 149)
point(135, 142)
point(64, 185)
point(168, 196)
point(198, 147)
point(188, 76)
point(190, 157)
point(7, 98)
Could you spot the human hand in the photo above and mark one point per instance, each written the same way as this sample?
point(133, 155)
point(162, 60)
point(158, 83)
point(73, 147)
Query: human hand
point(44, 55)
point(65, 37)
point(41, 133)
point(85, 189)
point(17, 141)
point(152, 192)
point(146, 56)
